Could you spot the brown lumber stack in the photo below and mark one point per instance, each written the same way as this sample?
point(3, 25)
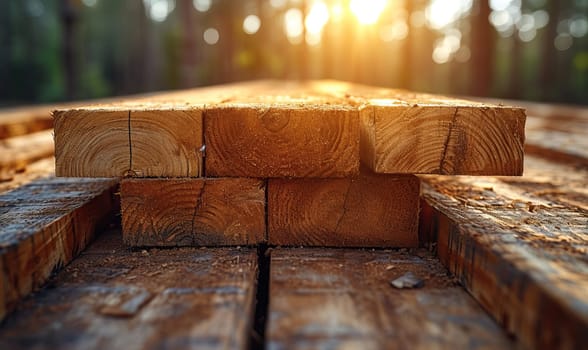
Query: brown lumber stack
point(279, 162)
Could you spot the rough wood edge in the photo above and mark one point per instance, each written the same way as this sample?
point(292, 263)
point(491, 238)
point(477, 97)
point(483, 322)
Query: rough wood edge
point(62, 240)
point(539, 319)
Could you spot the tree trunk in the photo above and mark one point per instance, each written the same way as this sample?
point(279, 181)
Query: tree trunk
point(69, 18)
point(483, 43)
point(188, 48)
point(548, 73)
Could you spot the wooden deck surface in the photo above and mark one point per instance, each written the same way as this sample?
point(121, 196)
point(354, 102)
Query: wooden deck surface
point(113, 298)
point(343, 299)
point(518, 246)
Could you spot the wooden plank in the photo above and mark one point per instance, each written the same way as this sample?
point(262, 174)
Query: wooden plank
point(113, 142)
point(44, 225)
point(456, 139)
point(18, 152)
point(405, 132)
point(282, 139)
point(187, 212)
point(25, 120)
point(41, 168)
point(342, 299)
point(561, 139)
point(369, 211)
point(519, 245)
point(111, 298)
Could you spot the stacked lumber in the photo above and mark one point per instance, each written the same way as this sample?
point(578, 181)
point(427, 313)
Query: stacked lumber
point(518, 245)
point(279, 162)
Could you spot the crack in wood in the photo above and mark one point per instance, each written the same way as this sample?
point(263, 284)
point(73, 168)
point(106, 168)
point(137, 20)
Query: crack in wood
point(447, 139)
point(197, 207)
point(344, 211)
point(130, 172)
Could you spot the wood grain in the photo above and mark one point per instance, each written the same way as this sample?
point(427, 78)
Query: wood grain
point(282, 140)
point(342, 299)
point(24, 120)
point(369, 211)
point(35, 170)
point(111, 298)
point(279, 129)
point(44, 225)
point(113, 142)
point(16, 153)
point(456, 140)
point(185, 212)
point(560, 138)
point(405, 132)
point(520, 246)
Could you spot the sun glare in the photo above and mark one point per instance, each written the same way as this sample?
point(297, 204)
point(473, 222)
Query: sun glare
point(317, 17)
point(293, 25)
point(367, 11)
point(441, 13)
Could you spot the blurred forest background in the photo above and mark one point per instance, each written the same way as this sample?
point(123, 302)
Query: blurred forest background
point(56, 50)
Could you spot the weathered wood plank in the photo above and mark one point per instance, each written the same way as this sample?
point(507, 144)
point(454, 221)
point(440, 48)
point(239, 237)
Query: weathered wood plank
point(111, 298)
point(558, 138)
point(113, 142)
point(520, 246)
point(41, 168)
point(18, 152)
point(368, 211)
point(341, 299)
point(24, 120)
point(186, 212)
point(44, 225)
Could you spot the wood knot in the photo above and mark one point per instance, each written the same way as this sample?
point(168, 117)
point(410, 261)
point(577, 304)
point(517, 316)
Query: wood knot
point(274, 120)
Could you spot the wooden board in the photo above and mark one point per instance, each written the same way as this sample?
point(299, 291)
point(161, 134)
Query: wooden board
point(272, 129)
point(44, 225)
point(282, 139)
point(368, 211)
point(18, 152)
point(115, 143)
point(520, 246)
point(561, 139)
point(342, 299)
point(41, 168)
point(186, 212)
point(113, 298)
point(404, 132)
point(24, 120)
